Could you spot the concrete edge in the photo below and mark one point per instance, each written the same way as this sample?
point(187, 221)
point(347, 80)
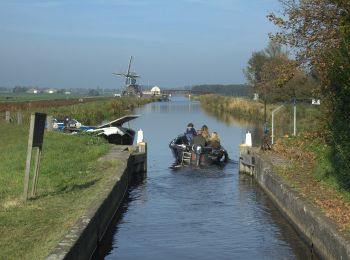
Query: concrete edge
point(319, 231)
point(81, 241)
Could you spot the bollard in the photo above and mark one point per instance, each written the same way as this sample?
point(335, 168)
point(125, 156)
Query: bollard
point(142, 147)
point(139, 136)
point(248, 139)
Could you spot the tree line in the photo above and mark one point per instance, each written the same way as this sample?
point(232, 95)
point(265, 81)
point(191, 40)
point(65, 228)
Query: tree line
point(317, 33)
point(238, 90)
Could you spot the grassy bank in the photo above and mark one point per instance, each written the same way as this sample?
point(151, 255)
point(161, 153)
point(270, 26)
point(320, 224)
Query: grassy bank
point(311, 173)
point(70, 177)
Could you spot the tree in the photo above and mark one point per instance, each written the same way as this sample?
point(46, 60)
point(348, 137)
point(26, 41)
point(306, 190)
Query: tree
point(19, 89)
point(255, 65)
point(319, 32)
point(93, 92)
point(312, 29)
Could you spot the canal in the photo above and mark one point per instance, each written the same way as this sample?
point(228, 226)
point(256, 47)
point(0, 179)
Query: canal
point(187, 213)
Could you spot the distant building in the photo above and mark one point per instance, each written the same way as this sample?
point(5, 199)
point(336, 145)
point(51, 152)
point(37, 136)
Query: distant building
point(146, 93)
point(50, 91)
point(155, 91)
point(67, 92)
point(32, 91)
point(315, 101)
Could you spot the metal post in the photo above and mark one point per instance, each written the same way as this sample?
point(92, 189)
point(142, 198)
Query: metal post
point(295, 119)
point(272, 123)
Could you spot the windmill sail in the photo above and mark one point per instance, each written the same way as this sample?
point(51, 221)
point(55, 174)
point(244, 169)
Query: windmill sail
point(130, 88)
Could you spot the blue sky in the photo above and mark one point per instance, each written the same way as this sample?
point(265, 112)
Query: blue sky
point(175, 43)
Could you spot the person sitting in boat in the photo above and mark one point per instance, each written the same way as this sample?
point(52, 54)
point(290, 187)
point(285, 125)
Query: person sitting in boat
point(205, 132)
point(199, 139)
point(214, 141)
point(190, 132)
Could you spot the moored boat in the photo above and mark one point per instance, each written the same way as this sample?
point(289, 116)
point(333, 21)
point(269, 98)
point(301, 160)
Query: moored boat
point(114, 131)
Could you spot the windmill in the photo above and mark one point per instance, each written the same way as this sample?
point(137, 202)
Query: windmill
point(131, 88)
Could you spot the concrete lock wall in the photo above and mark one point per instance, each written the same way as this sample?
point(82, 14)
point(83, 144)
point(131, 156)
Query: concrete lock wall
point(82, 239)
point(319, 231)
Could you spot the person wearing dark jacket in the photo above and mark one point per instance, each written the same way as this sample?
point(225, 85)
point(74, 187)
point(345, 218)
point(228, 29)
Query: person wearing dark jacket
point(190, 132)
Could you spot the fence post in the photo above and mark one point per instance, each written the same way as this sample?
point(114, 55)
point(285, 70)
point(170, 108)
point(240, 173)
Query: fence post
point(8, 116)
point(29, 157)
point(19, 117)
point(295, 119)
point(49, 123)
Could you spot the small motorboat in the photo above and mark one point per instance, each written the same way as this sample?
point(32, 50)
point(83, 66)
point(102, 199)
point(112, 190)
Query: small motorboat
point(196, 154)
point(114, 131)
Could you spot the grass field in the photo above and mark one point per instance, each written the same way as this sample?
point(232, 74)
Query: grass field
point(69, 178)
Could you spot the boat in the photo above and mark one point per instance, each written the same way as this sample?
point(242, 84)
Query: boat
point(196, 154)
point(114, 131)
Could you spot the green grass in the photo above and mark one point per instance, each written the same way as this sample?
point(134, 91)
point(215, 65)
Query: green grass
point(324, 170)
point(70, 177)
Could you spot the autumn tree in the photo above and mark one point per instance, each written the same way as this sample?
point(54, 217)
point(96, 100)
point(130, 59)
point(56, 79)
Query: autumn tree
point(275, 76)
point(319, 32)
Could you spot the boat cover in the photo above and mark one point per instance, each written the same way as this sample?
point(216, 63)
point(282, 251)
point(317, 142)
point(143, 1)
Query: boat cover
point(119, 122)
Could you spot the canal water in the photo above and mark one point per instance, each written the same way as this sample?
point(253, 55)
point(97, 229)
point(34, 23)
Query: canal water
point(187, 213)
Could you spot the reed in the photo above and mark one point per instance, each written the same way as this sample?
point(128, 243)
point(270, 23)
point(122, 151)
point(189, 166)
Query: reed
point(308, 117)
point(241, 107)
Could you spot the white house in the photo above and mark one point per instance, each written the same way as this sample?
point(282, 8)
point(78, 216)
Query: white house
point(32, 91)
point(155, 91)
point(50, 91)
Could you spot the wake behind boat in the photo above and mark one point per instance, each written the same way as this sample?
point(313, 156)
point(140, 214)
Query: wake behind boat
point(196, 152)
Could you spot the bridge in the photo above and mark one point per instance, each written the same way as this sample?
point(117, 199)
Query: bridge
point(183, 92)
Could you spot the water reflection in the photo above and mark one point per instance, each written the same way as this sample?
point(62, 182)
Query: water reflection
point(254, 127)
point(212, 213)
